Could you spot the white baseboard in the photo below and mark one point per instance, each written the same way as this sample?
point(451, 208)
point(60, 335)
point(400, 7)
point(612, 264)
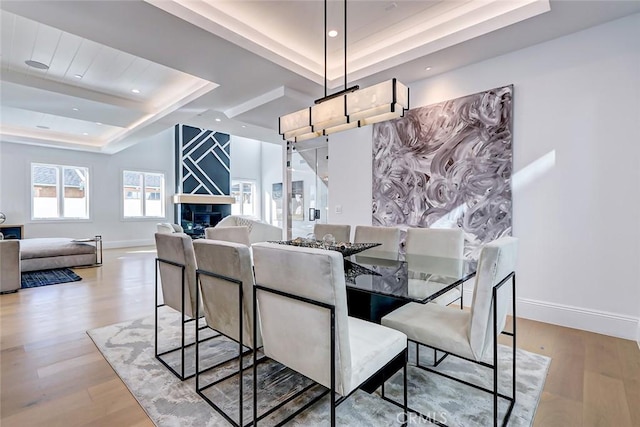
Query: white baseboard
point(128, 243)
point(601, 322)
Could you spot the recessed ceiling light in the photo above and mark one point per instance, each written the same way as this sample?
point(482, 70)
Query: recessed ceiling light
point(78, 76)
point(98, 123)
point(244, 126)
point(332, 33)
point(135, 90)
point(427, 69)
point(36, 64)
point(217, 120)
point(43, 127)
point(74, 109)
point(85, 133)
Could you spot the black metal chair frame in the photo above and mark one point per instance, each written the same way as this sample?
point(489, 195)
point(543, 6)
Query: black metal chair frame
point(241, 351)
point(493, 367)
point(334, 402)
point(183, 345)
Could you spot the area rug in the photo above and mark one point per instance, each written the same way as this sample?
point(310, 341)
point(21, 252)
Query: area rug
point(33, 279)
point(128, 347)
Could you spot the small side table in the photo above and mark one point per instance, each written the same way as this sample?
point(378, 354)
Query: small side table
point(97, 240)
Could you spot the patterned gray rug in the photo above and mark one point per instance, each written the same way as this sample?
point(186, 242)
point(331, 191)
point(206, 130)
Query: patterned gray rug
point(128, 347)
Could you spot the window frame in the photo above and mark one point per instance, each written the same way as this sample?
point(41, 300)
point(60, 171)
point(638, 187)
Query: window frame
point(60, 197)
point(254, 192)
point(142, 192)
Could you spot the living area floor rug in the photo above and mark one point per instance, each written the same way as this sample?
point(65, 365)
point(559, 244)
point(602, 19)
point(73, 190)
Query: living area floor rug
point(129, 348)
point(33, 279)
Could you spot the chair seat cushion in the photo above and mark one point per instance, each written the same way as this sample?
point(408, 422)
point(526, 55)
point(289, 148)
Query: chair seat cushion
point(372, 347)
point(421, 289)
point(445, 328)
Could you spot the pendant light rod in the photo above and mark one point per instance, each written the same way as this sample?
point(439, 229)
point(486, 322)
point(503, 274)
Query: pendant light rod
point(337, 94)
point(345, 90)
point(348, 108)
point(345, 44)
point(325, 48)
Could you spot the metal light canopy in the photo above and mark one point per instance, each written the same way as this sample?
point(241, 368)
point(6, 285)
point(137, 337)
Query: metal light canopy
point(351, 107)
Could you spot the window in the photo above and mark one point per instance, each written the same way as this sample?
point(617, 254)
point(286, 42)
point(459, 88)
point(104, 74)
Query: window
point(59, 192)
point(137, 184)
point(244, 193)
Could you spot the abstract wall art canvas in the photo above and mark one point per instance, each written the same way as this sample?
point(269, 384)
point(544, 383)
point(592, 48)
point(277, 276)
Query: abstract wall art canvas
point(448, 165)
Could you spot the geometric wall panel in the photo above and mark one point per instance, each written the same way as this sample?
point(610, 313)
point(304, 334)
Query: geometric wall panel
point(203, 161)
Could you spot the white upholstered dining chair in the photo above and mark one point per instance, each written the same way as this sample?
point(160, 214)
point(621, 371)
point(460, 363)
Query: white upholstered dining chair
point(301, 297)
point(473, 335)
point(341, 232)
point(435, 242)
point(237, 234)
point(225, 276)
point(388, 236)
point(176, 264)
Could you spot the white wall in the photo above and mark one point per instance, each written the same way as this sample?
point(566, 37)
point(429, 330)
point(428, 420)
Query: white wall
point(350, 171)
point(271, 174)
point(577, 172)
point(246, 164)
point(257, 161)
point(105, 175)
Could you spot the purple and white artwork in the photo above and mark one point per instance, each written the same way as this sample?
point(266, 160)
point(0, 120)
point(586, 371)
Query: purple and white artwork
point(448, 165)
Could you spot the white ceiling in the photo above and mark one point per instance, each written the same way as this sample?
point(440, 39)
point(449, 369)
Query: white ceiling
point(243, 63)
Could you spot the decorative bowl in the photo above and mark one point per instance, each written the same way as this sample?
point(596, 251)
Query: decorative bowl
point(345, 248)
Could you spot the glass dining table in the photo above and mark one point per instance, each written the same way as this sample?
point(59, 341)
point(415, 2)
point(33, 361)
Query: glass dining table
point(379, 282)
point(417, 278)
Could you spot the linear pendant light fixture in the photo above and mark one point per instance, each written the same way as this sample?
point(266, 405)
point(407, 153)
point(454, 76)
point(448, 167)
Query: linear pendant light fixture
point(351, 107)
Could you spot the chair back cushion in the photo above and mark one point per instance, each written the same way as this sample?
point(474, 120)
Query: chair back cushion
point(258, 231)
point(10, 277)
point(436, 242)
point(342, 232)
point(295, 333)
point(178, 248)
point(497, 260)
point(439, 243)
point(220, 297)
point(388, 236)
point(228, 234)
point(164, 227)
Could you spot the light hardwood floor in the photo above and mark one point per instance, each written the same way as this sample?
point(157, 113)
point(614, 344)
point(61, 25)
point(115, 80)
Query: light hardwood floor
point(53, 375)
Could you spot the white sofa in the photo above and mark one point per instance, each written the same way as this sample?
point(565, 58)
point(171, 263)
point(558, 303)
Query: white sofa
point(167, 227)
point(45, 253)
point(258, 231)
point(20, 256)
